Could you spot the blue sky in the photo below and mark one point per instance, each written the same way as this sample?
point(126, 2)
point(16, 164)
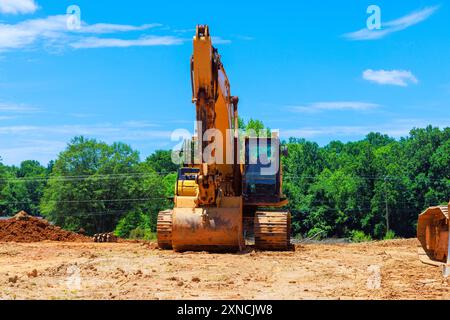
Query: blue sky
point(309, 69)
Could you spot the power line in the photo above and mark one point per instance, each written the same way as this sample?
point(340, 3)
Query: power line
point(120, 212)
point(311, 203)
point(85, 177)
point(392, 178)
point(86, 200)
point(95, 177)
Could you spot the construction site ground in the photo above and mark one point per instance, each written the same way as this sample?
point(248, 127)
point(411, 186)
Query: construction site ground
point(138, 270)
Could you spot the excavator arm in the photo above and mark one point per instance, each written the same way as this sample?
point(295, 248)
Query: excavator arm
point(217, 122)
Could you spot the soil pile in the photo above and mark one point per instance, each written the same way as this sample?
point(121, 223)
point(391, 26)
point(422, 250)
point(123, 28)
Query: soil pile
point(25, 228)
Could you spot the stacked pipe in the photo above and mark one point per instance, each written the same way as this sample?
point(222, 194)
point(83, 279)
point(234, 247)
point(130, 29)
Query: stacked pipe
point(105, 237)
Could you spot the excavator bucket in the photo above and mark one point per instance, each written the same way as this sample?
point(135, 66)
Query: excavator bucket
point(433, 235)
point(208, 228)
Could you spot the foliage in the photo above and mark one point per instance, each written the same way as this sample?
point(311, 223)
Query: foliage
point(254, 127)
point(359, 236)
point(94, 185)
point(22, 188)
point(365, 185)
point(161, 162)
point(169, 184)
point(356, 189)
point(389, 235)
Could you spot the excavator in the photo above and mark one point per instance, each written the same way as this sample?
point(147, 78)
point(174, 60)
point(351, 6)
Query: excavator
point(433, 234)
point(226, 190)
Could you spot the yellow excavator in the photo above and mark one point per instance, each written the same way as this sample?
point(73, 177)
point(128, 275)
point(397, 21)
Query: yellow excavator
point(226, 191)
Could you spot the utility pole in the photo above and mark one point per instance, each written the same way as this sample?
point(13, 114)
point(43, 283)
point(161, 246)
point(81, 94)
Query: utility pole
point(386, 202)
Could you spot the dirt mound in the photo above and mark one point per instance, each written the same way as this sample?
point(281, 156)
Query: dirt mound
point(25, 228)
point(22, 215)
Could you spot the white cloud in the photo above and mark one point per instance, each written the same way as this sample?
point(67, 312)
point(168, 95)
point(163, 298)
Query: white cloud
point(219, 40)
point(335, 106)
point(17, 6)
point(48, 141)
point(41, 150)
point(106, 131)
point(313, 132)
point(100, 28)
point(94, 42)
point(52, 32)
point(139, 124)
point(397, 128)
point(393, 77)
point(393, 25)
point(16, 108)
point(82, 115)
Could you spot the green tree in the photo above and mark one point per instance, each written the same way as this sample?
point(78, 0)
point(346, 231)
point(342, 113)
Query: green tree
point(93, 185)
point(254, 127)
point(21, 187)
point(300, 169)
point(161, 162)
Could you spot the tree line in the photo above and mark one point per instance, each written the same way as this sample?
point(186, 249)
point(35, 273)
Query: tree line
point(372, 188)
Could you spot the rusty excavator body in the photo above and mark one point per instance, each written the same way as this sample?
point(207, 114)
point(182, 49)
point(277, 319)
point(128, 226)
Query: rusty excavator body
point(433, 234)
point(224, 192)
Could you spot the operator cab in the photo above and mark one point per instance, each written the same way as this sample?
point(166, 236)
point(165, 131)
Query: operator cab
point(261, 180)
point(188, 173)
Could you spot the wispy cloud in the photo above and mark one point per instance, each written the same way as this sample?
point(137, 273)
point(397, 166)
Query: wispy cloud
point(390, 77)
point(187, 30)
point(397, 128)
point(52, 32)
point(17, 108)
point(334, 106)
point(17, 6)
point(100, 28)
point(139, 124)
point(41, 150)
point(48, 141)
point(94, 42)
point(314, 132)
point(82, 115)
point(219, 40)
point(393, 25)
point(7, 117)
point(107, 131)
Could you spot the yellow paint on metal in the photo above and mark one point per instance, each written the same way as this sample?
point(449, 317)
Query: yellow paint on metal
point(209, 228)
point(187, 188)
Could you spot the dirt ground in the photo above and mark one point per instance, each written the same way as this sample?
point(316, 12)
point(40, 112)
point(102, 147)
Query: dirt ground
point(62, 270)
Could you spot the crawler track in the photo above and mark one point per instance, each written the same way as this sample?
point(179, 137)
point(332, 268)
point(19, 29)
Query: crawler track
point(272, 230)
point(164, 230)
